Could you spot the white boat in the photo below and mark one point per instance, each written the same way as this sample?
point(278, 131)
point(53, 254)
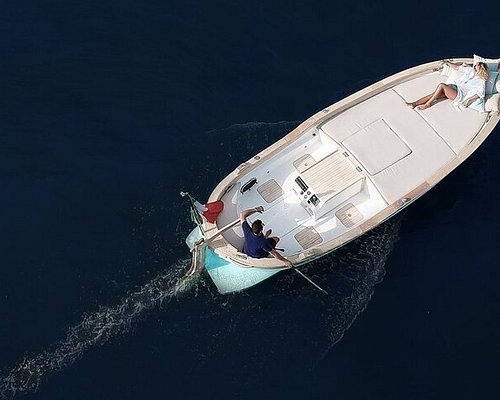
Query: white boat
point(339, 174)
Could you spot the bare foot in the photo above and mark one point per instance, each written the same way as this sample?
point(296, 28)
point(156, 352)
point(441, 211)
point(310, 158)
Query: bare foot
point(423, 106)
point(411, 105)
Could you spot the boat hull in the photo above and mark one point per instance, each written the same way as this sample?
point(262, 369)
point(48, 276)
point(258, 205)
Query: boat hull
point(367, 187)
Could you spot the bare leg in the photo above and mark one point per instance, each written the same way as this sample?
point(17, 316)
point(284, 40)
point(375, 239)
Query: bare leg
point(276, 239)
point(443, 91)
point(420, 101)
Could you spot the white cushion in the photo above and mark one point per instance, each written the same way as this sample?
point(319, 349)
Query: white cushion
point(456, 127)
point(378, 146)
point(434, 135)
point(492, 103)
point(490, 62)
point(429, 151)
point(452, 74)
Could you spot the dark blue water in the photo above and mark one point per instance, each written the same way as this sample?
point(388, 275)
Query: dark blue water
point(109, 108)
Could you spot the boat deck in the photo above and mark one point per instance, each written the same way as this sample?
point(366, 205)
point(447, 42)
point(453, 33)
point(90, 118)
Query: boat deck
point(400, 147)
point(347, 169)
point(289, 212)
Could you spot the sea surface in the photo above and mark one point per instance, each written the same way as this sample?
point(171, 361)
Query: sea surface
point(108, 109)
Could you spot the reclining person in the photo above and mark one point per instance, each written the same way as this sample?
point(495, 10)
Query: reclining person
point(463, 92)
point(256, 244)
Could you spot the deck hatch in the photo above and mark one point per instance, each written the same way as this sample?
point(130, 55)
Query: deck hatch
point(349, 215)
point(270, 190)
point(304, 162)
point(308, 237)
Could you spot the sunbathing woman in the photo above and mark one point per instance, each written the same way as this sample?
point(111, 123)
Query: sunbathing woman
point(464, 91)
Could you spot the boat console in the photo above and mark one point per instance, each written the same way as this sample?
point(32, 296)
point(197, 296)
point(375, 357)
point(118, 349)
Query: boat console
point(328, 183)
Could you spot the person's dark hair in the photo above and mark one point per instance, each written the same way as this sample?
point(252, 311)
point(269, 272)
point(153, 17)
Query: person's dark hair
point(257, 226)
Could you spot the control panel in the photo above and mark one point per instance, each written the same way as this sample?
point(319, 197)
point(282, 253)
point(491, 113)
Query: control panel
point(306, 195)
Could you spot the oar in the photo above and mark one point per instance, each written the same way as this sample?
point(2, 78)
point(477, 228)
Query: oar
point(222, 230)
point(309, 280)
point(231, 225)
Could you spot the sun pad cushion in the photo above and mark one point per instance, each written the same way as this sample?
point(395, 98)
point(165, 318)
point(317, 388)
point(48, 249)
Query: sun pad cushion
point(434, 136)
point(378, 146)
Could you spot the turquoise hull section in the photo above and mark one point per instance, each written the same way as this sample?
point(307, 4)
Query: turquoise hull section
point(229, 277)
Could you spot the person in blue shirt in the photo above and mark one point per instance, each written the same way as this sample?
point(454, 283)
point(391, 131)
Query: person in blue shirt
point(257, 244)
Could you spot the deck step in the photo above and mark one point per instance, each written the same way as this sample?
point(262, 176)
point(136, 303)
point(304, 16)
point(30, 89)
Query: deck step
point(270, 190)
point(304, 162)
point(308, 237)
point(349, 215)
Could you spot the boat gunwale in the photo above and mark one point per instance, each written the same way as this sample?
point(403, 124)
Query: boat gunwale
point(227, 251)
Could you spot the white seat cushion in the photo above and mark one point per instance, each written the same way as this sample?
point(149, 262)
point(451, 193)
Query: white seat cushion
point(456, 127)
point(378, 146)
point(428, 150)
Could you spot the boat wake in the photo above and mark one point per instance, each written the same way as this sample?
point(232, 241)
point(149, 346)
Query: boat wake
point(286, 310)
point(287, 326)
point(360, 267)
point(95, 329)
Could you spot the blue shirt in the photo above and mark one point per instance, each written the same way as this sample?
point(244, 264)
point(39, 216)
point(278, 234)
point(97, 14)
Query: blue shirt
point(255, 246)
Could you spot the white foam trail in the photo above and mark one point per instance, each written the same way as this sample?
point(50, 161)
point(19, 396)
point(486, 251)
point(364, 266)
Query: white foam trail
point(294, 321)
point(350, 276)
point(95, 329)
point(365, 270)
